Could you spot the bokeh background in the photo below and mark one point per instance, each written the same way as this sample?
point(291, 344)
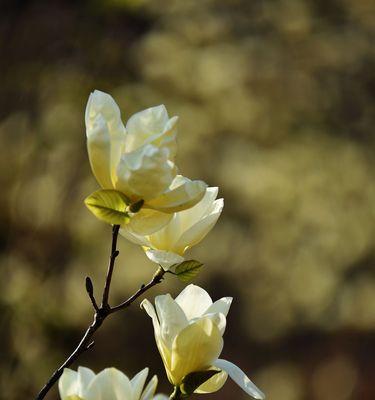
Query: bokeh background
point(276, 106)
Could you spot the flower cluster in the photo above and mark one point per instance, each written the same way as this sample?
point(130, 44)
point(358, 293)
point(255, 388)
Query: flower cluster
point(166, 214)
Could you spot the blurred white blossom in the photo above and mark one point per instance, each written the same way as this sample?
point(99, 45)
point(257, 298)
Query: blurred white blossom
point(109, 384)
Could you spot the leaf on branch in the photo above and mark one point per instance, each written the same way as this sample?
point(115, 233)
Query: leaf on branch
point(109, 206)
point(192, 381)
point(188, 270)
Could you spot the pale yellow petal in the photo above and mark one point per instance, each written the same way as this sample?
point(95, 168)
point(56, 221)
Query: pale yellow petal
point(195, 348)
point(198, 231)
point(145, 173)
point(180, 198)
point(213, 384)
point(147, 221)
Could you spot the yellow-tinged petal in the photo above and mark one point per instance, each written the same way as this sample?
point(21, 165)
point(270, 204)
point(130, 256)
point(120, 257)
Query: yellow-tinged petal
point(195, 348)
point(147, 221)
point(184, 196)
point(105, 136)
point(198, 231)
point(165, 352)
point(145, 173)
point(213, 384)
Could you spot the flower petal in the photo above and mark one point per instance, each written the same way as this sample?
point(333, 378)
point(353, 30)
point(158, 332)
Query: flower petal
point(145, 173)
point(112, 384)
point(147, 221)
point(105, 136)
point(185, 195)
point(84, 378)
point(163, 350)
point(134, 238)
point(172, 318)
point(220, 306)
point(240, 378)
point(138, 382)
point(68, 384)
point(213, 384)
point(198, 231)
point(145, 125)
point(149, 391)
point(191, 216)
point(195, 348)
point(164, 258)
point(194, 301)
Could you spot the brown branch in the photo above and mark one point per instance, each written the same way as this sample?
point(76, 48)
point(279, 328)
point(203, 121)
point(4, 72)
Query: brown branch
point(101, 313)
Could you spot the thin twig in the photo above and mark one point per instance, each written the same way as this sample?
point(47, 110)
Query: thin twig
point(112, 259)
point(101, 313)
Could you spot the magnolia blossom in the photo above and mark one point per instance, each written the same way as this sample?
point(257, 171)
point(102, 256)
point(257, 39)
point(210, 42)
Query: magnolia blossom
point(138, 160)
point(109, 384)
point(188, 333)
point(187, 228)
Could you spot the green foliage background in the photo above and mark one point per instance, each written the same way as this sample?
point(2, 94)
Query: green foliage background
point(276, 100)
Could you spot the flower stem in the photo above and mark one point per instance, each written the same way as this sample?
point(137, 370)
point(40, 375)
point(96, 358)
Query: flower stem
point(101, 313)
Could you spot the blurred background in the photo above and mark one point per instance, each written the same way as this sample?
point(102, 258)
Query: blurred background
point(276, 106)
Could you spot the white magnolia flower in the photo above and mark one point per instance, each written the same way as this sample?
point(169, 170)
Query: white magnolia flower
point(187, 228)
point(188, 333)
point(109, 384)
point(138, 160)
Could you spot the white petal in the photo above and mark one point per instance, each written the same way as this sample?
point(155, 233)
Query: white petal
point(194, 301)
point(164, 258)
point(193, 215)
point(150, 389)
point(150, 310)
point(84, 378)
point(171, 317)
point(163, 349)
point(134, 238)
point(68, 383)
point(184, 196)
point(138, 382)
point(145, 124)
point(164, 239)
point(105, 136)
point(112, 384)
point(240, 378)
point(161, 397)
point(220, 306)
point(146, 222)
point(145, 173)
point(198, 231)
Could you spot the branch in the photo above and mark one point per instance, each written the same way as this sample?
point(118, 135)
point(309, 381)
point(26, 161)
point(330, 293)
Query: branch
point(101, 313)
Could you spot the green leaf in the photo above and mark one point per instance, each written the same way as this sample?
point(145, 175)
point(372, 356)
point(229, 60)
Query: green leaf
point(109, 206)
point(188, 270)
point(192, 381)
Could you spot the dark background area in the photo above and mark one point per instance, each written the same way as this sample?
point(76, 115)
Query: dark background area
point(276, 106)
